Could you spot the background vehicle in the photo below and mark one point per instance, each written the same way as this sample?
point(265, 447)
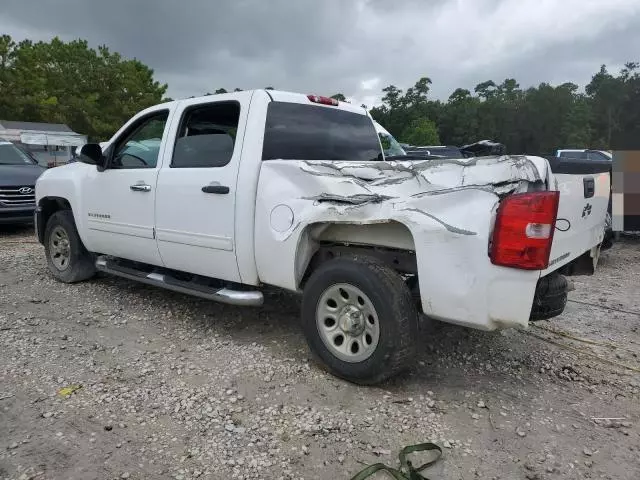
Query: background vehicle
point(435, 151)
point(18, 174)
point(483, 148)
point(258, 188)
point(585, 154)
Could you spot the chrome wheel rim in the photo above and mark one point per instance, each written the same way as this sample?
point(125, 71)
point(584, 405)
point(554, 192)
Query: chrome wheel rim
point(59, 248)
point(347, 323)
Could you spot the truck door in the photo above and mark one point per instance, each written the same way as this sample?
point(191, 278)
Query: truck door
point(196, 190)
point(118, 203)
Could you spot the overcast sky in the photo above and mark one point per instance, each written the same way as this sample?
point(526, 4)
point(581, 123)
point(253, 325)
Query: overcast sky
point(351, 46)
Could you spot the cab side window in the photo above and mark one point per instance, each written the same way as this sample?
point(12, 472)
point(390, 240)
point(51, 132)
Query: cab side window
point(207, 136)
point(140, 147)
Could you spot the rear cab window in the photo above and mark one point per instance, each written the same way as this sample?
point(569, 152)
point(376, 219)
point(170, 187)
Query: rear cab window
point(296, 131)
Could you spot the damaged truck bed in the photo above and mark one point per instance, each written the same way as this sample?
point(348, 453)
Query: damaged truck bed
point(442, 211)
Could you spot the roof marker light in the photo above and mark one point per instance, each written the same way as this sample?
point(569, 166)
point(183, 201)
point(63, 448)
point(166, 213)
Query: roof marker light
point(323, 100)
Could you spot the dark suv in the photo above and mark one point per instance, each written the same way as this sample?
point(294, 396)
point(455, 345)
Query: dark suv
point(18, 174)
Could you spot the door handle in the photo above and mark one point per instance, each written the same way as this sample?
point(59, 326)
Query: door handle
point(140, 187)
point(589, 187)
point(219, 189)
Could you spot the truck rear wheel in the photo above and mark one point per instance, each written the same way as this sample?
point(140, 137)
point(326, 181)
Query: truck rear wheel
point(67, 258)
point(359, 319)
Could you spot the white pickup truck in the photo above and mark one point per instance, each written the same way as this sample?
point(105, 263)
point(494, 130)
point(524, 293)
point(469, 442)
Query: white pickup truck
point(225, 195)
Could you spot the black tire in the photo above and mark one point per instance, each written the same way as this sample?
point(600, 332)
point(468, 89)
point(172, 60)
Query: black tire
point(550, 298)
point(394, 306)
point(607, 242)
point(80, 263)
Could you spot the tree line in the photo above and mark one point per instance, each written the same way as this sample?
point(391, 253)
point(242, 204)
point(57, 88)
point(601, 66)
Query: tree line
point(95, 91)
point(606, 115)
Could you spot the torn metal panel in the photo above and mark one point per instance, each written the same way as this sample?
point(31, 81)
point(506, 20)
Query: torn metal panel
point(440, 174)
point(358, 199)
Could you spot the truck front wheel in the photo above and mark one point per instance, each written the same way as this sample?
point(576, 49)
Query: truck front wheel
point(67, 258)
point(360, 319)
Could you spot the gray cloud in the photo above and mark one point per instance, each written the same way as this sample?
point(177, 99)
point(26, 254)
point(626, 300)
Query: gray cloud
point(355, 47)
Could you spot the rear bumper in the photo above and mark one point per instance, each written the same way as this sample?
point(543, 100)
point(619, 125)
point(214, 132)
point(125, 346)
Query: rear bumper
point(11, 215)
point(476, 294)
point(512, 300)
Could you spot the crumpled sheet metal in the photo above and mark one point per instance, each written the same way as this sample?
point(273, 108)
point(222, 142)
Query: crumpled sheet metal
point(371, 192)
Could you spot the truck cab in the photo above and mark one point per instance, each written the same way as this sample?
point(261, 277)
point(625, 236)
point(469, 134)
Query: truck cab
point(223, 196)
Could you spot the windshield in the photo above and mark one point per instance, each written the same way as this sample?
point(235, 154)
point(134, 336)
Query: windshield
point(12, 155)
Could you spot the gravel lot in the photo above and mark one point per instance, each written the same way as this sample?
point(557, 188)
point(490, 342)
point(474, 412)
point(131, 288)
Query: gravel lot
point(176, 387)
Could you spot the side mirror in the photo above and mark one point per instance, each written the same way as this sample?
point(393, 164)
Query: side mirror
point(91, 153)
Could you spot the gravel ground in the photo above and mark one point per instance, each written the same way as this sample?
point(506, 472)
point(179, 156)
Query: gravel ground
point(176, 387)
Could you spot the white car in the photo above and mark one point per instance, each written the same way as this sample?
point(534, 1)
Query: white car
point(266, 188)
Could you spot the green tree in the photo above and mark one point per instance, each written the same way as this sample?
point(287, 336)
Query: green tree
point(610, 96)
point(627, 135)
point(340, 97)
point(94, 91)
point(7, 54)
point(417, 95)
point(421, 132)
point(459, 121)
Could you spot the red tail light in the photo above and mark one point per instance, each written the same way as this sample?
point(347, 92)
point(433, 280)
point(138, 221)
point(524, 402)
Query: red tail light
point(323, 100)
point(524, 229)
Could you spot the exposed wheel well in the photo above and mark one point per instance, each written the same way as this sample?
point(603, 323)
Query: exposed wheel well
point(390, 243)
point(49, 206)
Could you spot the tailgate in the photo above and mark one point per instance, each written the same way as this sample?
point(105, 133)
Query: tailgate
point(584, 198)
